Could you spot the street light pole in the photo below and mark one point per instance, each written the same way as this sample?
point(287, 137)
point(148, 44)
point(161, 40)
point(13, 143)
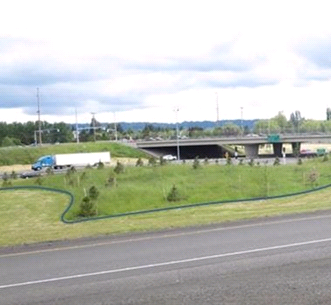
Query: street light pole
point(241, 117)
point(177, 134)
point(39, 122)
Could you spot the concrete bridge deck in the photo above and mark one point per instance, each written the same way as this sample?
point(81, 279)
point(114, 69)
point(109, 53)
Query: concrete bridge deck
point(251, 144)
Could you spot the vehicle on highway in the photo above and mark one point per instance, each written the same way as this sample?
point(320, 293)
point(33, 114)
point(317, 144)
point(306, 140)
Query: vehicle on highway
point(169, 157)
point(70, 160)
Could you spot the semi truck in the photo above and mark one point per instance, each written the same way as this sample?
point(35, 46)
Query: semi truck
point(71, 160)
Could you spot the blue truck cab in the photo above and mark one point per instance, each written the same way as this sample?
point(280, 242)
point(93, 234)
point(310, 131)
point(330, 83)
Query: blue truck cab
point(44, 161)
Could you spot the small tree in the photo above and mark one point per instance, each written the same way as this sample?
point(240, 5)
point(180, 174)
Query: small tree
point(139, 162)
point(93, 193)
point(13, 175)
point(119, 168)
point(152, 161)
point(174, 194)
point(100, 165)
point(277, 161)
point(196, 163)
point(87, 207)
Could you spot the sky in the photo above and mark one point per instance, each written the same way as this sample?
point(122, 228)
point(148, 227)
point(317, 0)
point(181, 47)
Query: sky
point(163, 61)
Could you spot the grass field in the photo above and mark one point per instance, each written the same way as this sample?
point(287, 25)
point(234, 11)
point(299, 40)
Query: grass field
point(27, 220)
point(29, 154)
point(33, 216)
point(147, 187)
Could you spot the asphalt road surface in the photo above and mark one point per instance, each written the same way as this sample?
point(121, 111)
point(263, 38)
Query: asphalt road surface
point(269, 261)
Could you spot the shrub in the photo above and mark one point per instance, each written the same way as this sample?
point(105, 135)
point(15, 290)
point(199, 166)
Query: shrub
point(277, 161)
point(174, 194)
point(139, 162)
point(152, 161)
point(87, 207)
point(251, 162)
point(119, 168)
point(299, 161)
point(162, 161)
point(196, 163)
point(93, 193)
point(206, 161)
point(111, 181)
point(13, 175)
point(100, 165)
point(49, 171)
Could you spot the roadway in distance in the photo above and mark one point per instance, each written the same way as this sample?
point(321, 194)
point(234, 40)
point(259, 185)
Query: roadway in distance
point(284, 260)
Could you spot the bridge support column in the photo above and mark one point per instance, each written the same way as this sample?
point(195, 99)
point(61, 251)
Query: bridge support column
point(252, 150)
point(277, 149)
point(296, 147)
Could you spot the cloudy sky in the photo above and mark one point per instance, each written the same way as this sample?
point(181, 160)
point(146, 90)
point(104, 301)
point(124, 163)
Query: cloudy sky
point(143, 60)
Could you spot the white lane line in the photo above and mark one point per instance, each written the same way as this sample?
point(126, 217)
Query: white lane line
point(176, 262)
point(167, 235)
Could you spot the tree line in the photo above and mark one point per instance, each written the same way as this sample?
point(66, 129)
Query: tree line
point(28, 133)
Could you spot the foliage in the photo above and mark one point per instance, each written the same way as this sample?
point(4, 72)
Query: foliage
point(87, 207)
point(100, 165)
point(139, 162)
point(152, 161)
point(119, 168)
point(174, 194)
point(93, 193)
point(277, 161)
point(196, 163)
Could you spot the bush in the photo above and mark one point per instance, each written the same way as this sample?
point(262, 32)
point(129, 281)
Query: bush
point(13, 175)
point(100, 165)
point(93, 193)
point(119, 168)
point(87, 207)
point(49, 171)
point(196, 163)
point(299, 161)
point(174, 194)
point(139, 162)
point(277, 161)
point(152, 161)
point(251, 162)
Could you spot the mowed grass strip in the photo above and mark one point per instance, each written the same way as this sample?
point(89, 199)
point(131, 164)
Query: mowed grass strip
point(34, 216)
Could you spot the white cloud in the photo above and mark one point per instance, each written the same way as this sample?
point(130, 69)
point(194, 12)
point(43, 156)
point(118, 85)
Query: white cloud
point(140, 59)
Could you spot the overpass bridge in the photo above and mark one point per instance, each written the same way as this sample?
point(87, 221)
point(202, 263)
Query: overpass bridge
point(214, 147)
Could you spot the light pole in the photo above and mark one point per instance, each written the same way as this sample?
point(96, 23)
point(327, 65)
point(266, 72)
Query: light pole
point(93, 125)
point(177, 134)
point(39, 122)
point(217, 110)
point(241, 117)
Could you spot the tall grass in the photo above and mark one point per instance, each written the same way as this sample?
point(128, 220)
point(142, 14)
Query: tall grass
point(144, 188)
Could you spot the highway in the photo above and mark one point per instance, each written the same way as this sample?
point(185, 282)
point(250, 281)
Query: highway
point(281, 260)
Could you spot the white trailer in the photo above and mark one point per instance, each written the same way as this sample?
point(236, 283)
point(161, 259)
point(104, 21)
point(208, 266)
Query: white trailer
point(80, 159)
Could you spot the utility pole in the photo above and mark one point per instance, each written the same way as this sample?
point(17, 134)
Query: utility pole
point(77, 132)
point(93, 125)
point(39, 122)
